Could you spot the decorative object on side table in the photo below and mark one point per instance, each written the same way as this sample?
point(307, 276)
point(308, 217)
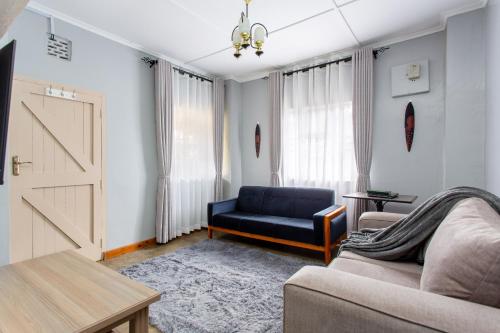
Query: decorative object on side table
point(257, 140)
point(409, 125)
point(380, 201)
point(382, 194)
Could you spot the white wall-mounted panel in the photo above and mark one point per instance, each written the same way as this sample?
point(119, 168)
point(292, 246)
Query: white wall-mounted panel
point(402, 86)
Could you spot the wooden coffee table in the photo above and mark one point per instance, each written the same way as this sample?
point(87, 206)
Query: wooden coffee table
point(65, 292)
point(380, 202)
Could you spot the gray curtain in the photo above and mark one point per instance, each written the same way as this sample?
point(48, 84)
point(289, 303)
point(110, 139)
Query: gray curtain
point(275, 88)
point(164, 132)
point(218, 100)
point(362, 109)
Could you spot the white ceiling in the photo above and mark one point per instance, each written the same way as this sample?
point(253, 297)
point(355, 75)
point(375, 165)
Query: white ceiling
point(196, 33)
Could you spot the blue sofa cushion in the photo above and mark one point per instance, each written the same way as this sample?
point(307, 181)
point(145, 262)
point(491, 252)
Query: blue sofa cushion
point(308, 202)
point(258, 224)
point(230, 220)
point(300, 230)
point(279, 202)
point(295, 202)
point(250, 199)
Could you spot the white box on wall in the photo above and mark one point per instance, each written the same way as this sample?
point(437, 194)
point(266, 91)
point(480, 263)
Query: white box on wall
point(402, 86)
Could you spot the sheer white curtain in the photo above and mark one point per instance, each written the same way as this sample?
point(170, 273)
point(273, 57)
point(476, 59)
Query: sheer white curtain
point(193, 171)
point(318, 149)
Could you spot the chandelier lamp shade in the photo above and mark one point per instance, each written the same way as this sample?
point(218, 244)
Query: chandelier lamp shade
point(246, 34)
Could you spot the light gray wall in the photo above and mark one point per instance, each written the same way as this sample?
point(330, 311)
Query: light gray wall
point(233, 106)
point(421, 171)
point(417, 172)
point(256, 109)
point(464, 146)
point(493, 96)
point(116, 71)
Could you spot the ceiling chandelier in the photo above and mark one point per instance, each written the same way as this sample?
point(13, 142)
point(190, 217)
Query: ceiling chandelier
point(245, 35)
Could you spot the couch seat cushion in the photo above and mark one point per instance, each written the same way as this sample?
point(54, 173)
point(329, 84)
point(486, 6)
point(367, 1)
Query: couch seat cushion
point(407, 276)
point(229, 220)
point(463, 257)
point(299, 230)
point(409, 267)
point(258, 224)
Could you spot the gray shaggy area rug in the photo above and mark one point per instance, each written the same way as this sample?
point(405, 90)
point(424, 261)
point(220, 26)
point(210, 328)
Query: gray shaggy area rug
point(217, 286)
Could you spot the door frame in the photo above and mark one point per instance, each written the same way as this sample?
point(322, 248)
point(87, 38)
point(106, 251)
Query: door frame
point(104, 207)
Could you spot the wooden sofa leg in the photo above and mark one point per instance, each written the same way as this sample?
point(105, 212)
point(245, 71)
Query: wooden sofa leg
point(210, 233)
point(328, 255)
point(327, 240)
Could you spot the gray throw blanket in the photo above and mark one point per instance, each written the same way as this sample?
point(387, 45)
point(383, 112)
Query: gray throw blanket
point(405, 239)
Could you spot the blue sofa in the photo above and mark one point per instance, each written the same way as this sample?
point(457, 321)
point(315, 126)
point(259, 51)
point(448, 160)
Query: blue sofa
point(302, 217)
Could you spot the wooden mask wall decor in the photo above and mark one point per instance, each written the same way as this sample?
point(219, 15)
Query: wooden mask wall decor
point(409, 125)
point(257, 140)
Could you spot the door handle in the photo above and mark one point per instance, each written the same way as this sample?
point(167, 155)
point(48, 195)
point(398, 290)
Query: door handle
point(16, 165)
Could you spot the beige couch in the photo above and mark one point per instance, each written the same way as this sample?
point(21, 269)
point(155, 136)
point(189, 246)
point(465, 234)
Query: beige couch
point(358, 294)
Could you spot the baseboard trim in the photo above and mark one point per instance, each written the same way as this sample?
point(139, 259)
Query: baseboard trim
point(128, 248)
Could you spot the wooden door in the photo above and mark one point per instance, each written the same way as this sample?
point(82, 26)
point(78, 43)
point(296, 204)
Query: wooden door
point(57, 197)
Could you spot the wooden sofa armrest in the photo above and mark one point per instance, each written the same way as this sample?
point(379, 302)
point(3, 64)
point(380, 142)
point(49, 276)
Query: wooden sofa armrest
point(327, 231)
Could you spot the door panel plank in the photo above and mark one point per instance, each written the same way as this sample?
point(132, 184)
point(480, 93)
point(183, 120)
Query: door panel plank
point(78, 129)
point(56, 202)
point(56, 218)
point(22, 230)
point(84, 210)
point(38, 234)
point(58, 180)
point(67, 142)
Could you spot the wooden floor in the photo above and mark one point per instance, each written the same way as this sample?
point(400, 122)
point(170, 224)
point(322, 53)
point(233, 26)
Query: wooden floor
point(198, 236)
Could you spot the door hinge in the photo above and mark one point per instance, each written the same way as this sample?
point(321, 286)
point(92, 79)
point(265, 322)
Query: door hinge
point(101, 243)
point(100, 112)
point(100, 184)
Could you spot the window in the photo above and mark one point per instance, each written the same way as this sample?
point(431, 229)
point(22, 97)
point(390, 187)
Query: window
point(318, 147)
point(193, 168)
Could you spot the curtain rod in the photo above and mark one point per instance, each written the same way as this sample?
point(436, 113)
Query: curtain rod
point(376, 52)
point(151, 62)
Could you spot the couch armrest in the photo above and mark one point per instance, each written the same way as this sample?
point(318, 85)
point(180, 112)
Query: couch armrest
point(333, 217)
point(318, 299)
point(220, 207)
point(378, 220)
